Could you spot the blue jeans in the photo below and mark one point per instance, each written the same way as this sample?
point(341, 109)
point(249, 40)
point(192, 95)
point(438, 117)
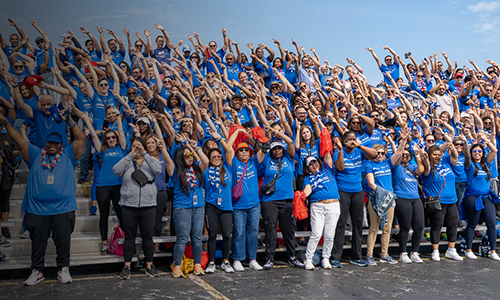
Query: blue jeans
point(85, 160)
point(245, 233)
point(188, 223)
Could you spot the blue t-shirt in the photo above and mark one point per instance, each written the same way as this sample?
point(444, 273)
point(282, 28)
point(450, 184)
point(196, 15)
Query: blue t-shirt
point(162, 55)
point(46, 199)
point(109, 159)
point(305, 152)
point(404, 182)
point(349, 180)
point(99, 104)
point(181, 198)
point(381, 173)
point(118, 56)
point(479, 181)
point(40, 58)
point(214, 189)
point(45, 125)
point(323, 184)
point(284, 184)
point(160, 179)
point(459, 169)
point(433, 182)
point(393, 69)
point(233, 71)
point(84, 103)
point(250, 196)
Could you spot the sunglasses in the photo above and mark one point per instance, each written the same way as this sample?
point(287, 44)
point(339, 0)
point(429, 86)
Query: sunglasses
point(219, 156)
point(243, 150)
point(459, 144)
point(375, 116)
point(477, 151)
point(430, 141)
point(131, 94)
point(19, 67)
point(380, 152)
point(194, 56)
point(139, 46)
point(355, 123)
point(406, 154)
point(342, 111)
point(487, 123)
point(190, 154)
point(420, 76)
point(176, 113)
point(111, 137)
point(103, 84)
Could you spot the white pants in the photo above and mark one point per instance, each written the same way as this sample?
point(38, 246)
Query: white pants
point(323, 216)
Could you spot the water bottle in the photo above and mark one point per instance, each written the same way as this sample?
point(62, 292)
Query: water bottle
point(485, 246)
point(463, 245)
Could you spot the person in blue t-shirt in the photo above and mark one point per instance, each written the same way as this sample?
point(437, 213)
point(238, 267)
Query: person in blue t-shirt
point(438, 180)
point(479, 201)
point(163, 46)
point(378, 175)
point(390, 67)
point(351, 197)
point(218, 182)
point(409, 207)
point(189, 206)
point(49, 200)
point(276, 168)
point(111, 150)
point(321, 188)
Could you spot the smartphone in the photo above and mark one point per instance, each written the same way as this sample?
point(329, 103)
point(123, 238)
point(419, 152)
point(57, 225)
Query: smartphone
point(105, 123)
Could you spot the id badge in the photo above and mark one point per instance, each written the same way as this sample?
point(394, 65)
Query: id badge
point(50, 179)
point(219, 201)
point(195, 200)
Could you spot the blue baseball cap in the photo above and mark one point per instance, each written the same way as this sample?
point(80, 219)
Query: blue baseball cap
point(54, 137)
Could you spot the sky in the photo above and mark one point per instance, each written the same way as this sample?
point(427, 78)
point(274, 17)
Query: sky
point(335, 29)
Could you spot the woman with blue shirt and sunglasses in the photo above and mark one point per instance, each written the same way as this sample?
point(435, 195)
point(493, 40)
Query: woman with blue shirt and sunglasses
point(479, 201)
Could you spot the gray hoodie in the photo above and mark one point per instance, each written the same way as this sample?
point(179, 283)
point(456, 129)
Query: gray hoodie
point(131, 193)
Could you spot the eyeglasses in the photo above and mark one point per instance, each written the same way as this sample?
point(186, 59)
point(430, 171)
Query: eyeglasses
point(355, 123)
point(131, 94)
point(111, 137)
point(103, 84)
point(380, 153)
point(375, 116)
point(420, 76)
point(406, 155)
point(440, 65)
point(243, 150)
point(138, 46)
point(275, 87)
point(176, 113)
point(488, 90)
point(219, 156)
point(477, 151)
point(19, 67)
point(213, 46)
point(342, 111)
point(487, 123)
point(388, 59)
point(206, 101)
point(190, 154)
point(430, 141)
point(459, 144)
point(359, 98)
point(40, 42)
point(210, 76)
point(491, 72)
point(303, 86)
point(194, 56)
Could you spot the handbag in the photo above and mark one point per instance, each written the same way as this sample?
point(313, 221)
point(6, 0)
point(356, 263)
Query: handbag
point(270, 187)
point(139, 176)
point(237, 190)
point(433, 204)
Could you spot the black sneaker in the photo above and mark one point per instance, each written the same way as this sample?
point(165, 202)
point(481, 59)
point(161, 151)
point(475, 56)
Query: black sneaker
point(269, 264)
point(6, 232)
point(152, 272)
point(294, 262)
point(125, 274)
point(104, 250)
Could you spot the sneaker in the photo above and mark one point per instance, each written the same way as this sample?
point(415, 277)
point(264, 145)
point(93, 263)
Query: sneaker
point(198, 271)
point(6, 232)
point(294, 262)
point(35, 278)
point(269, 264)
point(210, 268)
point(125, 274)
point(179, 274)
point(494, 256)
point(415, 257)
point(435, 255)
point(470, 255)
point(254, 265)
point(359, 262)
point(104, 249)
point(81, 181)
point(238, 267)
point(371, 261)
point(325, 263)
point(25, 235)
point(388, 259)
point(93, 210)
point(2, 256)
point(63, 275)
point(308, 264)
point(404, 258)
point(462, 223)
point(4, 242)
point(335, 263)
point(152, 272)
point(452, 253)
point(226, 266)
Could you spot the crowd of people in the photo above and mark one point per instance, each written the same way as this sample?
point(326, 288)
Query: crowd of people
point(222, 139)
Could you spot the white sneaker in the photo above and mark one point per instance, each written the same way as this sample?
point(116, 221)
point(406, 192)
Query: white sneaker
point(404, 258)
point(325, 263)
point(470, 255)
point(226, 266)
point(254, 265)
point(210, 268)
point(35, 277)
point(63, 276)
point(435, 255)
point(238, 267)
point(308, 264)
point(452, 253)
point(415, 257)
point(495, 256)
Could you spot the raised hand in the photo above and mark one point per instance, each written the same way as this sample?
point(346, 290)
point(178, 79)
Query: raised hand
point(100, 29)
point(159, 27)
point(84, 30)
point(126, 32)
point(111, 32)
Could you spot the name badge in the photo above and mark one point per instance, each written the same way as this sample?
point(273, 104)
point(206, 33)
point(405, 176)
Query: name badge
point(219, 201)
point(195, 200)
point(50, 179)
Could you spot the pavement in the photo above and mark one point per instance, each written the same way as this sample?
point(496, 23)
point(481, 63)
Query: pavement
point(431, 280)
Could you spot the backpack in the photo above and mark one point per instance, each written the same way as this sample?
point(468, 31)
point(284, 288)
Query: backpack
point(117, 236)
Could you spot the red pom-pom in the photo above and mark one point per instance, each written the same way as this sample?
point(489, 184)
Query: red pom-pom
point(242, 136)
point(299, 206)
point(325, 143)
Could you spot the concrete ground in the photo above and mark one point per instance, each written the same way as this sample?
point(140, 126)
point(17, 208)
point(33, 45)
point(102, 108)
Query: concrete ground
point(431, 280)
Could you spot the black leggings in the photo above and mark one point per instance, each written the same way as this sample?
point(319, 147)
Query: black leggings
point(350, 203)
point(4, 200)
point(214, 217)
point(272, 212)
point(448, 217)
point(161, 203)
point(145, 218)
point(487, 214)
point(104, 195)
point(410, 213)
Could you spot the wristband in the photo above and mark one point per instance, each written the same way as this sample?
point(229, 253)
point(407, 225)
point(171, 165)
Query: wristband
point(14, 86)
point(197, 149)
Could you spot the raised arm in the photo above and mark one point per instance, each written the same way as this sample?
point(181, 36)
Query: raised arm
point(379, 64)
